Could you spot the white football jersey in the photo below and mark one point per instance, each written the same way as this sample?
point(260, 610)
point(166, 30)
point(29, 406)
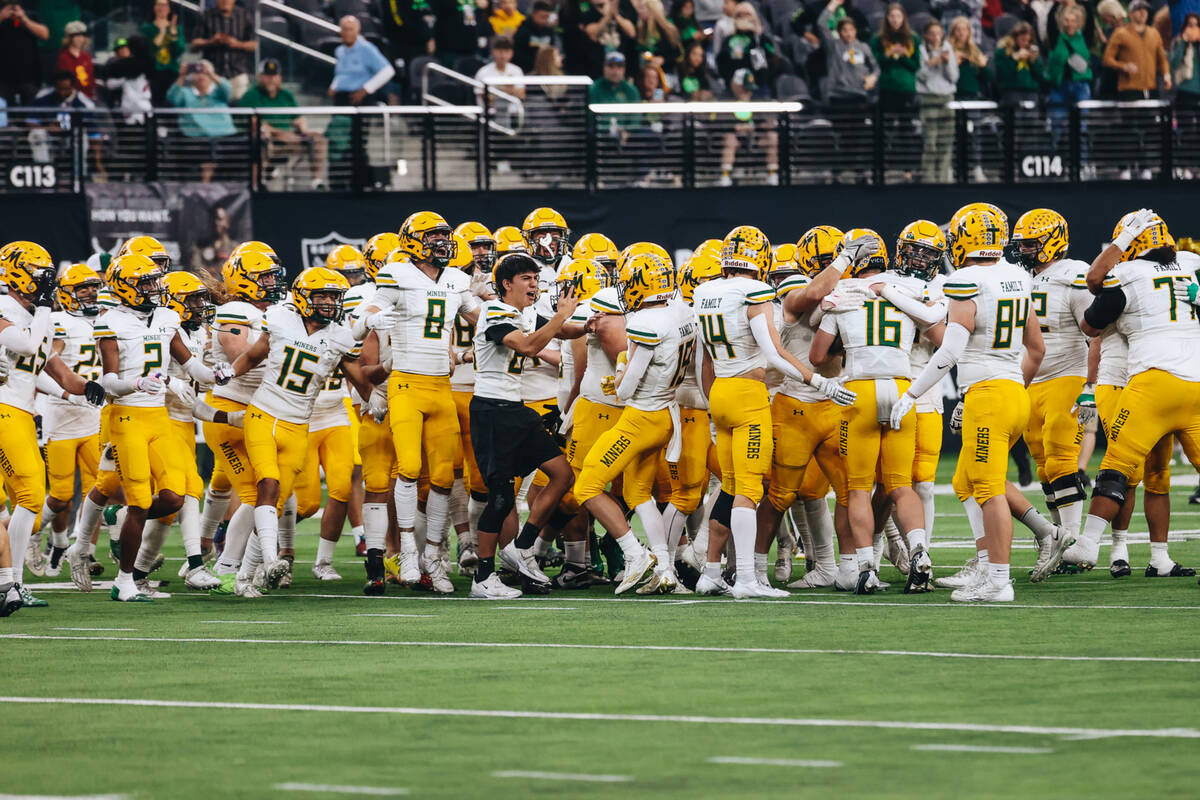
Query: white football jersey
point(923, 350)
point(462, 379)
point(353, 303)
point(877, 336)
point(671, 331)
point(498, 368)
point(797, 338)
point(329, 409)
point(298, 363)
point(599, 365)
point(241, 316)
point(996, 346)
point(21, 387)
point(63, 419)
point(1060, 296)
point(357, 296)
point(539, 379)
point(1113, 369)
point(1162, 332)
point(195, 341)
point(566, 364)
point(420, 339)
point(720, 305)
point(143, 346)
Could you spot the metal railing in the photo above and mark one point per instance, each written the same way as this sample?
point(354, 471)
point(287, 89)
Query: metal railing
point(555, 138)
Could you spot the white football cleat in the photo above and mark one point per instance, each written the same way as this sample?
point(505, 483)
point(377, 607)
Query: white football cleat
point(747, 590)
point(35, 559)
point(1083, 552)
point(1045, 547)
point(765, 585)
point(712, 586)
point(783, 562)
point(468, 560)
point(965, 576)
point(638, 571)
point(245, 589)
point(815, 579)
point(410, 567)
point(144, 586)
point(690, 557)
point(81, 573)
point(523, 562)
point(438, 578)
point(845, 582)
point(896, 551)
point(324, 571)
point(493, 589)
point(273, 575)
point(200, 579)
point(984, 591)
point(1064, 546)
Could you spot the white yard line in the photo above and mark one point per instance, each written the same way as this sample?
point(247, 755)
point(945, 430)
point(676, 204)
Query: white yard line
point(633, 647)
point(243, 621)
point(771, 762)
point(64, 796)
point(328, 788)
point(94, 629)
point(787, 722)
point(976, 748)
point(562, 776)
point(421, 616)
point(532, 608)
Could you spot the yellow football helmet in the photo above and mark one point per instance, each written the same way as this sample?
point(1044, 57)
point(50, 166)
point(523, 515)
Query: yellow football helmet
point(644, 278)
point(546, 235)
point(426, 238)
point(317, 294)
point(28, 271)
point(598, 248)
point(783, 264)
point(817, 249)
point(584, 276)
point(920, 249)
point(147, 246)
point(1039, 238)
point(697, 270)
point(254, 276)
point(376, 251)
point(878, 261)
point(252, 246)
point(187, 296)
point(478, 237)
point(347, 260)
point(1153, 237)
point(991, 207)
point(976, 232)
point(640, 248)
point(136, 281)
point(462, 253)
point(78, 290)
point(748, 249)
point(710, 246)
point(509, 240)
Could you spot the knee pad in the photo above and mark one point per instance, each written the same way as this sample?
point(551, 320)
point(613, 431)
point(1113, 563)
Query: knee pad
point(1048, 492)
point(722, 509)
point(479, 497)
point(1111, 484)
point(501, 500)
point(1067, 489)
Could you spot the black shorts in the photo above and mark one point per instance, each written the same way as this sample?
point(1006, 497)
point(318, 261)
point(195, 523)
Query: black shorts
point(509, 438)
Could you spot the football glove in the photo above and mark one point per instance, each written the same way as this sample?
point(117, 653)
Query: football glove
point(956, 418)
point(383, 320)
point(862, 247)
point(849, 298)
point(92, 392)
point(900, 409)
point(182, 390)
point(1187, 292)
point(1142, 219)
point(608, 385)
point(1085, 406)
point(222, 372)
point(378, 406)
point(833, 390)
point(235, 419)
point(3, 371)
point(151, 384)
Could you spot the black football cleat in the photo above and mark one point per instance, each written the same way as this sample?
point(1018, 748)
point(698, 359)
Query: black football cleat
point(374, 587)
point(554, 558)
point(95, 567)
point(917, 581)
point(1195, 498)
point(868, 582)
point(532, 587)
point(1177, 571)
point(423, 585)
point(1120, 569)
point(687, 574)
point(572, 577)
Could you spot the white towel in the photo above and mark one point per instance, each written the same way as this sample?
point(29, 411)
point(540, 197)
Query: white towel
point(886, 395)
point(675, 446)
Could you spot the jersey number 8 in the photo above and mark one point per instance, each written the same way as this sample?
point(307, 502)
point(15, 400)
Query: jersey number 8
point(1011, 315)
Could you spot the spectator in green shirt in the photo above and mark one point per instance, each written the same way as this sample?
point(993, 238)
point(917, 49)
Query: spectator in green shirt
point(285, 135)
point(614, 88)
point(1019, 74)
point(972, 62)
point(165, 36)
point(895, 48)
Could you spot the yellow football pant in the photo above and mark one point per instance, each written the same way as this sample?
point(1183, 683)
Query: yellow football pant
point(276, 449)
point(185, 436)
point(331, 448)
point(589, 421)
point(1157, 470)
point(804, 432)
point(424, 423)
point(929, 446)
point(378, 455)
point(631, 447)
point(108, 482)
point(64, 457)
point(471, 477)
point(869, 448)
point(148, 454)
point(1054, 434)
point(21, 459)
point(995, 413)
point(741, 411)
point(352, 415)
point(231, 461)
point(1152, 406)
point(689, 477)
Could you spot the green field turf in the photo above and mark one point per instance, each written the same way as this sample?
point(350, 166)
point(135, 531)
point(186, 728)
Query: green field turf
point(1085, 687)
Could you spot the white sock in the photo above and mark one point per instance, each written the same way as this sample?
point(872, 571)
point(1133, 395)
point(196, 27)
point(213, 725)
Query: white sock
point(1071, 515)
point(998, 573)
point(743, 523)
point(47, 515)
point(865, 556)
point(631, 548)
point(357, 533)
point(59, 538)
point(918, 537)
point(1040, 526)
point(474, 511)
point(656, 532)
point(237, 533)
point(189, 525)
point(406, 503)
point(114, 530)
point(287, 525)
point(215, 506)
point(526, 482)
point(797, 514)
point(674, 522)
point(924, 490)
point(266, 524)
point(20, 528)
point(325, 547)
point(153, 536)
point(982, 555)
point(1120, 550)
point(458, 504)
point(437, 515)
point(124, 582)
point(820, 527)
point(6, 576)
point(87, 519)
point(408, 542)
point(1094, 527)
point(974, 517)
point(420, 529)
point(375, 523)
point(254, 557)
point(576, 553)
point(760, 564)
point(847, 566)
point(1159, 558)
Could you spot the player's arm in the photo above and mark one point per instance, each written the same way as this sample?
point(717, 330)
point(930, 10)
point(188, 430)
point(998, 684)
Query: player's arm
point(579, 366)
point(357, 375)
point(762, 325)
point(530, 344)
point(1093, 361)
point(26, 341)
point(960, 325)
point(1035, 347)
point(70, 382)
point(551, 355)
point(926, 314)
point(823, 342)
point(631, 377)
point(368, 361)
point(253, 355)
point(1111, 255)
point(378, 313)
point(610, 333)
point(802, 301)
point(1104, 310)
point(194, 367)
point(110, 365)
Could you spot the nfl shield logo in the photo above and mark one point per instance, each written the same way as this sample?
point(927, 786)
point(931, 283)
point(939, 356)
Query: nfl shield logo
point(314, 251)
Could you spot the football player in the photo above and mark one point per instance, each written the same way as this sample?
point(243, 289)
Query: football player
point(993, 335)
point(600, 249)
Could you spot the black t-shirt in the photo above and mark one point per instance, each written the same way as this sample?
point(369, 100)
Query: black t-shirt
point(528, 38)
point(20, 62)
point(460, 26)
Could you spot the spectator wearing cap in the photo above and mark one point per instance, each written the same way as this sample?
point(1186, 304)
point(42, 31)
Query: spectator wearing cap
point(1136, 52)
point(200, 87)
point(126, 78)
point(851, 68)
point(20, 63)
point(165, 36)
point(75, 57)
point(226, 40)
point(361, 70)
point(536, 32)
point(761, 134)
point(285, 134)
point(614, 88)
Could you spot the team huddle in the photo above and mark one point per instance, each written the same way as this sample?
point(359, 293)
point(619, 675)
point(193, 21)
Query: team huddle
point(533, 395)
